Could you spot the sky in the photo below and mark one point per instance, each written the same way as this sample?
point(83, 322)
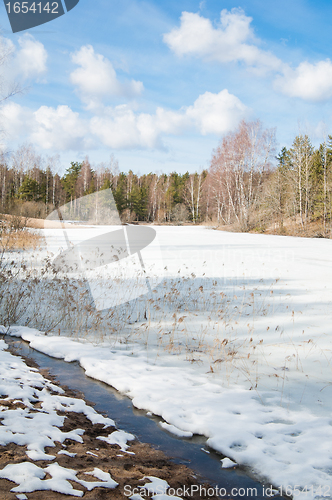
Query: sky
point(158, 84)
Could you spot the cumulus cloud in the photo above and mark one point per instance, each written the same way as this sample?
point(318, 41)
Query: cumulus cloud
point(312, 82)
point(60, 129)
point(96, 78)
point(15, 119)
point(30, 60)
point(26, 62)
point(232, 40)
point(211, 113)
point(121, 127)
point(216, 113)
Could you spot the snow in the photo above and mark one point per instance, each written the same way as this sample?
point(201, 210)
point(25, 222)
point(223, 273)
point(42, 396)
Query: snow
point(157, 488)
point(156, 485)
point(90, 453)
point(234, 344)
point(105, 480)
point(30, 477)
point(120, 438)
point(227, 462)
point(25, 426)
point(37, 426)
point(175, 430)
point(64, 452)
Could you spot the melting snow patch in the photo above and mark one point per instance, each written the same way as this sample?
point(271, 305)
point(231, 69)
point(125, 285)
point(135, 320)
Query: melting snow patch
point(227, 463)
point(136, 497)
point(64, 452)
point(105, 480)
point(90, 453)
point(26, 474)
point(120, 438)
point(156, 486)
point(175, 430)
point(29, 478)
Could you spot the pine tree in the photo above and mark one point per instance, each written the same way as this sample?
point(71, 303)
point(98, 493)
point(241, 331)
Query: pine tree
point(119, 194)
point(69, 180)
point(29, 190)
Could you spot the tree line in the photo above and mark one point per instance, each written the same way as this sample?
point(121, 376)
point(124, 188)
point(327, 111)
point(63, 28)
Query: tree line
point(247, 185)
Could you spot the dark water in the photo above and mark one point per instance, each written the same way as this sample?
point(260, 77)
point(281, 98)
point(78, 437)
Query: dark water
point(192, 452)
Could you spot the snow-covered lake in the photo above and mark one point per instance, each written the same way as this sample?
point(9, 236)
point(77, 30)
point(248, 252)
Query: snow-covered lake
point(234, 343)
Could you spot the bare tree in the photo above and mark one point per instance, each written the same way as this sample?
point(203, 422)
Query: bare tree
point(239, 165)
point(301, 155)
point(193, 194)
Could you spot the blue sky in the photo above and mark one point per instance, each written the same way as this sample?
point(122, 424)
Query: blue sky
point(158, 84)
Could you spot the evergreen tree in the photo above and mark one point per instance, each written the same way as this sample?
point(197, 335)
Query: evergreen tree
point(29, 190)
point(69, 180)
point(106, 184)
point(119, 193)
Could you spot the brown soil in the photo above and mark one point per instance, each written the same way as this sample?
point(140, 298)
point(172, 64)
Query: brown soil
point(125, 469)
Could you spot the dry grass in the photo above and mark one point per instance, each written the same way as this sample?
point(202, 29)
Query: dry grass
point(20, 240)
point(294, 227)
point(290, 227)
point(15, 237)
point(200, 319)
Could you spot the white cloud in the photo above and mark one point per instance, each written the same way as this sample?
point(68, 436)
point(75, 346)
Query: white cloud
point(30, 60)
point(211, 113)
point(96, 78)
point(312, 82)
point(59, 129)
point(216, 113)
point(232, 40)
point(14, 119)
point(120, 127)
point(26, 62)
point(171, 122)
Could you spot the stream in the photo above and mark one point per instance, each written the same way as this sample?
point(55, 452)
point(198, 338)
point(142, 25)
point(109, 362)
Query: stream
point(192, 452)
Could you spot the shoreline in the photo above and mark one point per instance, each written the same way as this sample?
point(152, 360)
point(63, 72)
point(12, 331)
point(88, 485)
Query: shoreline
point(127, 468)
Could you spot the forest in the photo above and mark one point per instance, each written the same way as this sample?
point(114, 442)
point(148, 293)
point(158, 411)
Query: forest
point(248, 186)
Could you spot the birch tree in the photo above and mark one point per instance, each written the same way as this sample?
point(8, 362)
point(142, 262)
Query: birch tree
point(301, 156)
point(239, 165)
